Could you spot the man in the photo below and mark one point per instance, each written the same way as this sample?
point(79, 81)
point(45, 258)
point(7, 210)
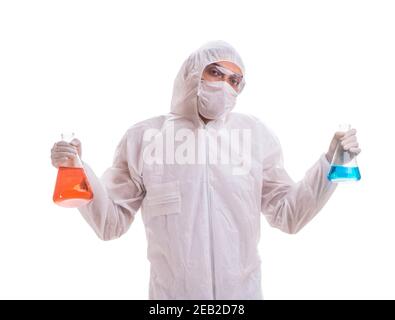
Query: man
point(201, 204)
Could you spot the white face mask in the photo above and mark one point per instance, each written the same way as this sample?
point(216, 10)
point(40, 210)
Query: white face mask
point(215, 98)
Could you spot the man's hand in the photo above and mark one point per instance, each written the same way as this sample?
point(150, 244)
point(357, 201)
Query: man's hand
point(62, 151)
point(348, 141)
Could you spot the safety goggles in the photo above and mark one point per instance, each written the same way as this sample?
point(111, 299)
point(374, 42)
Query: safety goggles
point(215, 72)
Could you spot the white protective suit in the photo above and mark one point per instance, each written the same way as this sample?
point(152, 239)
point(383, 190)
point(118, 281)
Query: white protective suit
point(202, 221)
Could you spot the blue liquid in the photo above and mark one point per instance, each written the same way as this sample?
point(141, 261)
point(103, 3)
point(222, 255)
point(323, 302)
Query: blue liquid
point(340, 173)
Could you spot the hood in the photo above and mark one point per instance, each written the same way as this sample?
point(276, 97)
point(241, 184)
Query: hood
point(186, 84)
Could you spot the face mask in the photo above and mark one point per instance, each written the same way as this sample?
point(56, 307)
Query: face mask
point(215, 98)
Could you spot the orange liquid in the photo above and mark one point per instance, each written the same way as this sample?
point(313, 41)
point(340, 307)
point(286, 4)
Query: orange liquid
point(72, 188)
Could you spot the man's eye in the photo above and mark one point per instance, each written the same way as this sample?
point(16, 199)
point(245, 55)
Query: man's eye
point(214, 72)
point(235, 82)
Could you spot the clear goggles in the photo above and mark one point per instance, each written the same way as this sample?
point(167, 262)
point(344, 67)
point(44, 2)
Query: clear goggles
point(215, 72)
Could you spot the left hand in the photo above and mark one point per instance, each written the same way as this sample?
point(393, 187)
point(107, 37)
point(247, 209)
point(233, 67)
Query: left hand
point(348, 141)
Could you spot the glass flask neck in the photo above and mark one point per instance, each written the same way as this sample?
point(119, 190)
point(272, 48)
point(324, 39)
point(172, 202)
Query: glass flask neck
point(76, 161)
point(344, 127)
point(342, 157)
point(67, 136)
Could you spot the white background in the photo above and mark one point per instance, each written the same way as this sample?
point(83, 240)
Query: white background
point(97, 67)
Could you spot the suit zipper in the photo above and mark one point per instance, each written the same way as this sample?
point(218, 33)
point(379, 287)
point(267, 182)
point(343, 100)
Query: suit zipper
point(210, 217)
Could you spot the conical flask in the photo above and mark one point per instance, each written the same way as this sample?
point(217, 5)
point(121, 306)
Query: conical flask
point(72, 188)
point(344, 165)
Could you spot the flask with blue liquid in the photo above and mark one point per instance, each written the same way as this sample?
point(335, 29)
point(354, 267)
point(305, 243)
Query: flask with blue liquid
point(344, 165)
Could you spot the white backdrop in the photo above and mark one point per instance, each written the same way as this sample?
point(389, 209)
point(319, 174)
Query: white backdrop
point(97, 67)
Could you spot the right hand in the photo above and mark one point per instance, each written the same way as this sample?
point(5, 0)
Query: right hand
point(62, 151)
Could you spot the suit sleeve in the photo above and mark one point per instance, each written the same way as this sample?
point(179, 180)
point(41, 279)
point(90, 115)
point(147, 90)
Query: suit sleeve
point(117, 195)
point(289, 205)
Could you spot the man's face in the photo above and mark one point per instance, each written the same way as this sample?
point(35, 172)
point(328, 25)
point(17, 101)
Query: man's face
point(224, 71)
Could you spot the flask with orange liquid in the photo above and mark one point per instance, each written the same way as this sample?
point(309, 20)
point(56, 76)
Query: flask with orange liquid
point(72, 188)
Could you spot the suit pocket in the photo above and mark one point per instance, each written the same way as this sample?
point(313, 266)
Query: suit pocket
point(163, 199)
